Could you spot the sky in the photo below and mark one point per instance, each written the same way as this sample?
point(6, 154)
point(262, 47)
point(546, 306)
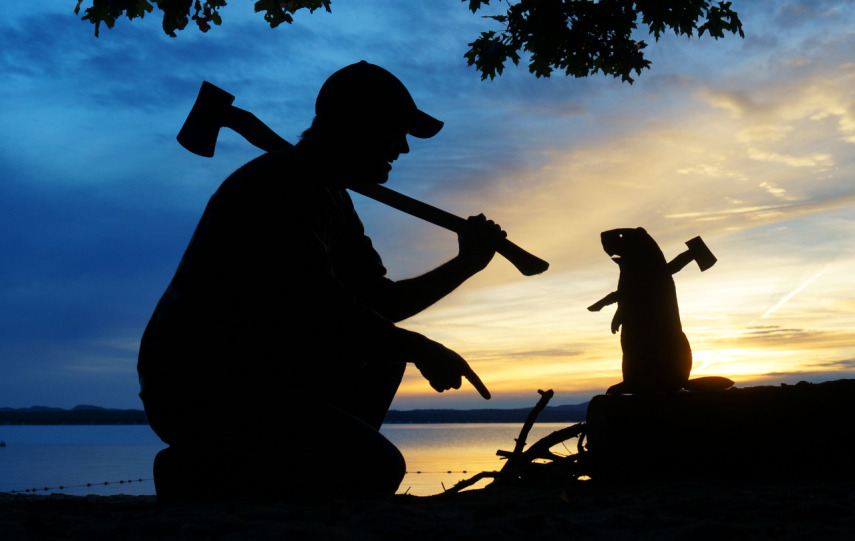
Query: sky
point(749, 143)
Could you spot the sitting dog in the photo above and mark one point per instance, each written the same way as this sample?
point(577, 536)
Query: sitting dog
point(656, 353)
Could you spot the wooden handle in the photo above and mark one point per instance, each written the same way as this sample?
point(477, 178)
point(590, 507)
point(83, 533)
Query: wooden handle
point(525, 262)
point(215, 103)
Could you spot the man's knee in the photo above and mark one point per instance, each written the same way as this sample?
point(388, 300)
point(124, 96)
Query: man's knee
point(393, 471)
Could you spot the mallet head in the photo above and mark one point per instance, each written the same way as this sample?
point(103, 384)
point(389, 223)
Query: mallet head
point(200, 130)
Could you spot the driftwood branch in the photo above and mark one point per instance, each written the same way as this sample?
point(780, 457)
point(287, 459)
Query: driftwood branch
point(540, 449)
point(514, 458)
point(520, 461)
point(466, 483)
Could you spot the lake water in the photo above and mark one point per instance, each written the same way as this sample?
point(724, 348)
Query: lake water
point(79, 460)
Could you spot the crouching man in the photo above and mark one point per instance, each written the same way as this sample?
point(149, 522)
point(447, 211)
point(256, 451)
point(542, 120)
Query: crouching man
point(272, 358)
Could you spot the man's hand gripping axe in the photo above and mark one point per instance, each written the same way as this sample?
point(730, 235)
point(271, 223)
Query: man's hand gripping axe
point(213, 109)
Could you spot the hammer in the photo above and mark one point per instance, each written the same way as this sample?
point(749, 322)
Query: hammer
point(213, 109)
point(697, 252)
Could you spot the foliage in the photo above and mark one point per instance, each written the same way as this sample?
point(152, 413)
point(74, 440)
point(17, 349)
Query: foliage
point(176, 13)
point(583, 37)
point(580, 37)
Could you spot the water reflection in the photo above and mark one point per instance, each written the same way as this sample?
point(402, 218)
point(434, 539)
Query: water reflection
point(81, 458)
point(437, 449)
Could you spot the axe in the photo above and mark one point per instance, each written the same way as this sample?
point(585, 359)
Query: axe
point(213, 110)
point(697, 252)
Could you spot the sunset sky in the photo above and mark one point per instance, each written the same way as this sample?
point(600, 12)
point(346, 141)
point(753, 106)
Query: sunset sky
point(749, 143)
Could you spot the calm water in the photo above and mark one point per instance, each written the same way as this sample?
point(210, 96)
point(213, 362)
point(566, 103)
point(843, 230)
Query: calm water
point(82, 458)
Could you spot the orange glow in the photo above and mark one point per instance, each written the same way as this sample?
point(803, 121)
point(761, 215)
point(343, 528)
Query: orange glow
point(761, 170)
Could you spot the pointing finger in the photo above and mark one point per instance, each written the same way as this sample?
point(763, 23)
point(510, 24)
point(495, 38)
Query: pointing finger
point(476, 382)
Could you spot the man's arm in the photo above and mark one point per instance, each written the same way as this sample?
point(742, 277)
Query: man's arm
point(442, 367)
point(405, 298)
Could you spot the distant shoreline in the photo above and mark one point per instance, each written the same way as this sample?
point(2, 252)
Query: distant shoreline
point(79, 415)
point(94, 415)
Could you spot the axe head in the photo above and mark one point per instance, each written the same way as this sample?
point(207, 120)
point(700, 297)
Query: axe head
point(200, 130)
point(700, 253)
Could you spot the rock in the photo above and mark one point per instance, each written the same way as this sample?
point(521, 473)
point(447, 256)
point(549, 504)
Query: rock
point(767, 433)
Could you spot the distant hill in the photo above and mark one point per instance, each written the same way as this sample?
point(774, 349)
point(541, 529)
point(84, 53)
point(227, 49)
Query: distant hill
point(550, 414)
point(95, 415)
point(79, 415)
point(32, 409)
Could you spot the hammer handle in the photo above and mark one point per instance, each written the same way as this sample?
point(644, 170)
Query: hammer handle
point(525, 262)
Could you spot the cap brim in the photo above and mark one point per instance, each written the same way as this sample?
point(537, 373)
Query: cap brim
point(423, 125)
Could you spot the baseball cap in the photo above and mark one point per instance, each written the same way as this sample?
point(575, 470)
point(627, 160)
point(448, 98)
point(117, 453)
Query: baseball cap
point(364, 91)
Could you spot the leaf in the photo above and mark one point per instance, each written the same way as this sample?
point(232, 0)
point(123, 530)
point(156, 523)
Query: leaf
point(585, 37)
point(475, 5)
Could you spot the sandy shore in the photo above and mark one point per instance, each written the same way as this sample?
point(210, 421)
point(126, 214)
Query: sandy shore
point(583, 510)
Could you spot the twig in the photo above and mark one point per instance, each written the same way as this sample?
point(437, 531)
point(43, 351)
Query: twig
point(514, 458)
point(466, 483)
point(520, 460)
point(540, 449)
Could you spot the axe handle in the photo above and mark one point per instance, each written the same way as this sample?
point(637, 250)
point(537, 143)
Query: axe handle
point(251, 128)
point(260, 135)
point(525, 262)
point(680, 261)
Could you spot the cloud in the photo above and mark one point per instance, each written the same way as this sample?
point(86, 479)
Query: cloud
point(816, 372)
point(803, 12)
point(775, 190)
point(837, 365)
point(785, 337)
point(792, 161)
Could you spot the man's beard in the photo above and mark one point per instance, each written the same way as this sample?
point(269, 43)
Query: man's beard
point(365, 171)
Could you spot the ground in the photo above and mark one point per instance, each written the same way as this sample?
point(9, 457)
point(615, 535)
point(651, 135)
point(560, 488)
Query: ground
point(583, 510)
point(759, 463)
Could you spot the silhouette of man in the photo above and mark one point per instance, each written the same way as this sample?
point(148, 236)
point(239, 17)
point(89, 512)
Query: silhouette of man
point(272, 358)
